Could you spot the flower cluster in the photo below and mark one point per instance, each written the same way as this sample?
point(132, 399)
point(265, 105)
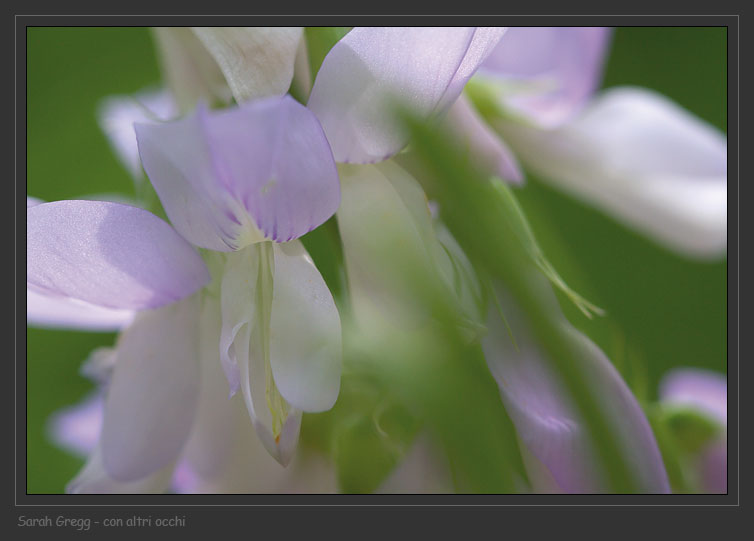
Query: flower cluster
point(225, 298)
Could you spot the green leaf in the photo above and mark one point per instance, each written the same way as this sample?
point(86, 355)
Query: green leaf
point(520, 225)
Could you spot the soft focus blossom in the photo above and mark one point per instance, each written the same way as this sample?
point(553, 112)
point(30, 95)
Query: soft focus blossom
point(124, 257)
point(226, 297)
point(355, 118)
point(554, 441)
point(706, 393)
point(629, 151)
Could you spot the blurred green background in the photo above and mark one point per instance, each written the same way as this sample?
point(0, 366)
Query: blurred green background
point(663, 311)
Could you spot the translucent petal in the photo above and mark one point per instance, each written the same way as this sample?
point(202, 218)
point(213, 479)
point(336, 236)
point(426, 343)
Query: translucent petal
point(108, 254)
point(547, 74)
point(231, 178)
point(642, 159)
point(151, 401)
point(545, 417)
point(256, 62)
point(217, 416)
point(305, 341)
point(371, 70)
point(246, 300)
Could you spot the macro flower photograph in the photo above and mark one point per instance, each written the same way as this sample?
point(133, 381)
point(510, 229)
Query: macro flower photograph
point(389, 260)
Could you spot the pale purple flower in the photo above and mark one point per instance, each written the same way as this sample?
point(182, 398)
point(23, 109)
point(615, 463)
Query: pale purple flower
point(706, 393)
point(222, 454)
point(554, 441)
point(226, 186)
point(372, 70)
point(547, 74)
point(368, 72)
point(77, 428)
point(629, 151)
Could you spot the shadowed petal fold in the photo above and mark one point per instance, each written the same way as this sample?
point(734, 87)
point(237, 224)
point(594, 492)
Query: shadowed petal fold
point(547, 74)
point(108, 254)
point(371, 70)
point(645, 160)
point(151, 400)
point(230, 178)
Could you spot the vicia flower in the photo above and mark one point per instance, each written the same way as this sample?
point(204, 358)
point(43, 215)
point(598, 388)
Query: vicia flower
point(238, 182)
point(704, 393)
point(629, 151)
point(221, 454)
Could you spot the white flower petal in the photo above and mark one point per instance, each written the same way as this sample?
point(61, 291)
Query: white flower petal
point(305, 341)
point(256, 62)
point(384, 218)
point(151, 400)
point(381, 205)
point(643, 159)
point(246, 297)
point(218, 416)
